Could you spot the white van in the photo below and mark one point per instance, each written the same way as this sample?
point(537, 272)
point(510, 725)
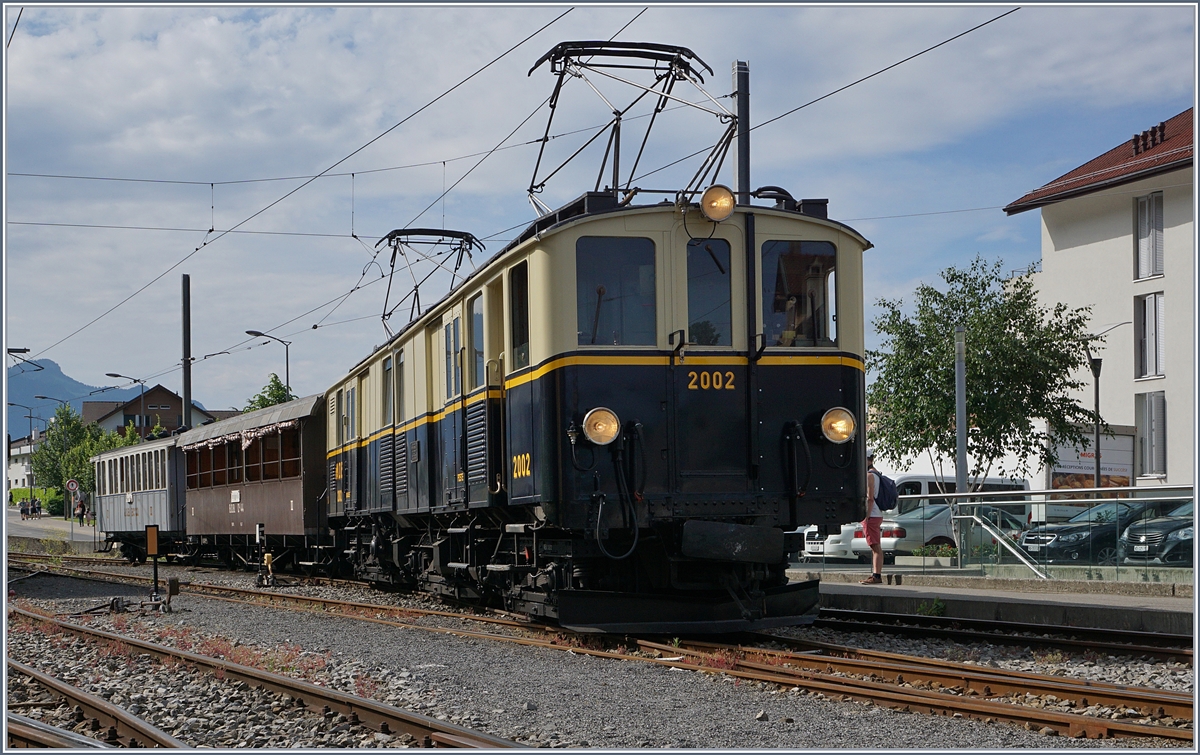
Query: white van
point(838, 545)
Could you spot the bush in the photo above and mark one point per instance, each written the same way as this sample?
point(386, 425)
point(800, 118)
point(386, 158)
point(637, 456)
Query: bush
point(941, 551)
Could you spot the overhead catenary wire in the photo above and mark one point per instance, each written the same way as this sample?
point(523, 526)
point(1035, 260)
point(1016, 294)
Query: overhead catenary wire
point(843, 88)
point(392, 128)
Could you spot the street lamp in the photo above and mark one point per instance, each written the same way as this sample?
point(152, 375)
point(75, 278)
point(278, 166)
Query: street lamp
point(287, 378)
point(141, 401)
point(1095, 363)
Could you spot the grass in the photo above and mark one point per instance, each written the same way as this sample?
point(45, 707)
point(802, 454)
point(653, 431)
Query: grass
point(937, 608)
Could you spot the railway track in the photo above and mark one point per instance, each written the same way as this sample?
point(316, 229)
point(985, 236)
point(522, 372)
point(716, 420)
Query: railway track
point(1175, 647)
point(889, 679)
point(30, 733)
point(122, 728)
point(385, 718)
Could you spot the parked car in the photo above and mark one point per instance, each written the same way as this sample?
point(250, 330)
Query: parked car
point(1090, 537)
point(839, 545)
point(835, 545)
point(931, 524)
point(1164, 541)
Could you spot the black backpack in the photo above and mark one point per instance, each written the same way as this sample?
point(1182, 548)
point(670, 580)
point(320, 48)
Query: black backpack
point(886, 496)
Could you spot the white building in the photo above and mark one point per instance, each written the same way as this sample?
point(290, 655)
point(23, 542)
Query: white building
point(20, 467)
point(1118, 235)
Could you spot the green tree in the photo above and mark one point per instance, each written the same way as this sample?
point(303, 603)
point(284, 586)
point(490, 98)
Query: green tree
point(64, 432)
point(274, 392)
point(68, 447)
point(1021, 358)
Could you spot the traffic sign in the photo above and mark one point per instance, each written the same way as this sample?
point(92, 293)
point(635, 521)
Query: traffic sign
point(72, 485)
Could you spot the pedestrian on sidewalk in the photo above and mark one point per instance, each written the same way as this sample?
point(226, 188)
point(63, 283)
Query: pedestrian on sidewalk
point(871, 524)
point(79, 512)
point(24, 509)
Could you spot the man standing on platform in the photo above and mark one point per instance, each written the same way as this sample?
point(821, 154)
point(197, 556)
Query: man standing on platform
point(871, 524)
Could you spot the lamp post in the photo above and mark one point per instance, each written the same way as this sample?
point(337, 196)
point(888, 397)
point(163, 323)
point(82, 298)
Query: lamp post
point(141, 401)
point(30, 416)
point(1095, 363)
point(287, 378)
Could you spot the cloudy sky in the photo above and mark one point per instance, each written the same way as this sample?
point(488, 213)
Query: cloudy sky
point(205, 104)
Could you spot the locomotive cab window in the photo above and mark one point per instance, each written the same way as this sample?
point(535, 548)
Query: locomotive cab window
point(615, 291)
point(798, 293)
point(710, 293)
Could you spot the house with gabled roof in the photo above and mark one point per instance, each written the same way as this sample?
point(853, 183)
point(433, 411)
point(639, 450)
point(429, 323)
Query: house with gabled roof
point(157, 406)
point(1118, 235)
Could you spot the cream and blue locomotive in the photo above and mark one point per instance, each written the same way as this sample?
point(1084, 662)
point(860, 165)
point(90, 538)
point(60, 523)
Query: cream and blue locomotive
point(615, 421)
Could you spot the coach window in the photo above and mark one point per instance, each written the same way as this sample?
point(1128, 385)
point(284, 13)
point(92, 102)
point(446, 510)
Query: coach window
point(233, 450)
point(270, 456)
point(518, 292)
point(475, 338)
point(710, 292)
point(798, 293)
point(253, 461)
point(291, 453)
point(615, 291)
point(205, 467)
point(220, 464)
point(193, 469)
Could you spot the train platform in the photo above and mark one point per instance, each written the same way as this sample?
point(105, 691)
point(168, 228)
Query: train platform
point(38, 534)
point(1132, 606)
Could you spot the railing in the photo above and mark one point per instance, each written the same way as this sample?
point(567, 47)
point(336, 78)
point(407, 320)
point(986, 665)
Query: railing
point(1100, 517)
point(1006, 533)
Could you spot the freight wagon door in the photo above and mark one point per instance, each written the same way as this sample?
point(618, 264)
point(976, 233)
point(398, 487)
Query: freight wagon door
point(709, 381)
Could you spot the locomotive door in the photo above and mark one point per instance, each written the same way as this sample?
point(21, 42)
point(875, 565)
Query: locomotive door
point(483, 378)
point(451, 419)
point(708, 377)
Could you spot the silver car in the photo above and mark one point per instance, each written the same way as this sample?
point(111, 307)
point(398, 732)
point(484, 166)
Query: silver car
point(931, 524)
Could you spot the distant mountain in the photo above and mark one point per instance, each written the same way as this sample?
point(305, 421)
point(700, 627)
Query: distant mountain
point(24, 383)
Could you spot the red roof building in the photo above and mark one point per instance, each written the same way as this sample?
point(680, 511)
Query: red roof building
point(1160, 149)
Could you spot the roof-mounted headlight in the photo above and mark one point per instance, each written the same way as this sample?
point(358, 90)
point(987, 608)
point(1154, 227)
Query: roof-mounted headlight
point(717, 203)
point(838, 425)
point(601, 426)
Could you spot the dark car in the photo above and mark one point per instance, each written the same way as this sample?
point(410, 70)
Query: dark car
point(1166, 540)
point(1090, 537)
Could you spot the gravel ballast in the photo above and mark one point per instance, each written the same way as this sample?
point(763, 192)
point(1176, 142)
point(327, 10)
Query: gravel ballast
point(546, 697)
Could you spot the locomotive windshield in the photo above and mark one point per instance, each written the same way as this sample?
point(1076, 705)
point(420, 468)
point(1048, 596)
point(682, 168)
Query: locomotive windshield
point(710, 315)
point(615, 291)
point(799, 304)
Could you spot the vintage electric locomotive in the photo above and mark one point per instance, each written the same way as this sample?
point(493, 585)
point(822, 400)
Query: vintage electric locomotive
point(614, 422)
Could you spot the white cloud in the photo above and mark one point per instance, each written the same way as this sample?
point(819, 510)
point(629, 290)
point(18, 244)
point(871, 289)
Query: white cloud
point(227, 94)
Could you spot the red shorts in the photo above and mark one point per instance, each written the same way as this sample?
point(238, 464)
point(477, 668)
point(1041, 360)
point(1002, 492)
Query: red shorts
point(871, 529)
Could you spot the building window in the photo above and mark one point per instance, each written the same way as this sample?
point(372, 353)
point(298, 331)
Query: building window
point(1149, 315)
point(1150, 235)
point(1151, 419)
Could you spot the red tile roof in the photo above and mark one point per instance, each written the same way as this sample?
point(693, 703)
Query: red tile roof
point(1160, 149)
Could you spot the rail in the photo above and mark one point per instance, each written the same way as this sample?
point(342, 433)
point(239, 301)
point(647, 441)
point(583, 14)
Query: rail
point(124, 728)
point(30, 733)
point(429, 731)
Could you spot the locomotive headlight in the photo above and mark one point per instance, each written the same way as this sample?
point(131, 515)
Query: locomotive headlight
point(601, 426)
point(717, 203)
point(838, 425)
